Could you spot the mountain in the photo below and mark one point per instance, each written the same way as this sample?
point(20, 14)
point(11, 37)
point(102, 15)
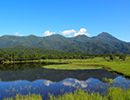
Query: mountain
point(103, 43)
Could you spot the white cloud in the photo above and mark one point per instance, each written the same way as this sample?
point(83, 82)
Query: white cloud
point(48, 33)
point(82, 31)
point(69, 32)
point(17, 34)
point(72, 32)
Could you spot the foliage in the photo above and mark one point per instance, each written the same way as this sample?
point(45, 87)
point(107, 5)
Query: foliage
point(26, 97)
point(25, 54)
point(122, 57)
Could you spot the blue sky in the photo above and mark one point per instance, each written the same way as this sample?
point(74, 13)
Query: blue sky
point(67, 17)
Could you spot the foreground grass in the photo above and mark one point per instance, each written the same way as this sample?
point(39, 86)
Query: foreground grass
point(79, 95)
point(113, 94)
point(95, 63)
point(27, 97)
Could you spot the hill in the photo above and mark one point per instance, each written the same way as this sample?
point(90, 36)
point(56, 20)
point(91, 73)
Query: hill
point(104, 43)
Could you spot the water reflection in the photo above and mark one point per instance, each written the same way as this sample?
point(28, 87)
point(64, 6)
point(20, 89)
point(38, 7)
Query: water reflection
point(45, 87)
point(33, 79)
point(35, 73)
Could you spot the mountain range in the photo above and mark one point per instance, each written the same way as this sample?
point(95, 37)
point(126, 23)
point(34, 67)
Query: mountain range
point(104, 43)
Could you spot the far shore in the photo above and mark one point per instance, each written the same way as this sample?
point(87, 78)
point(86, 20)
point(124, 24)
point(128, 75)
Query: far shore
point(121, 67)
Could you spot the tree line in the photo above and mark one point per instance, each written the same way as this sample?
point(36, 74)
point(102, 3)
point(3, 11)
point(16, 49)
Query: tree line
point(23, 54)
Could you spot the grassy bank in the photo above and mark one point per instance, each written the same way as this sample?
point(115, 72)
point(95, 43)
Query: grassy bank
point(113, 94)
point(95, 63)
point(119, 66)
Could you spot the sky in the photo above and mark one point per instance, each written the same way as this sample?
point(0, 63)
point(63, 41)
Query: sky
point(66, 17)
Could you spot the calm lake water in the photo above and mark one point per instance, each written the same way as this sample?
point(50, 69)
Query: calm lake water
point(36, 80)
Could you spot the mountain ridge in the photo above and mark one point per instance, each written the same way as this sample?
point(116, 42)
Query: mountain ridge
point(59, 35)
point(103, 43)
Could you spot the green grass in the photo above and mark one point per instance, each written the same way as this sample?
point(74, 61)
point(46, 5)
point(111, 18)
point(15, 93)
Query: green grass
point(95, 63)
point(79, 95)
point(118, 94)
point(113, 94)
point(72, 66)
point(26, 97)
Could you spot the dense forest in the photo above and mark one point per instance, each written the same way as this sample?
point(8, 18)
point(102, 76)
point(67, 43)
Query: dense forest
point(24, 54)
point(19, 54)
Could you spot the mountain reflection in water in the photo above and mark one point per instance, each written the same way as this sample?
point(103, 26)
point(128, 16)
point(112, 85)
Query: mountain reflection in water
point(32, 74)
point(45, 87)
point(33, 79)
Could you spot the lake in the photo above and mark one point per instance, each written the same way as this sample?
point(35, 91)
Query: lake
point(32, 79)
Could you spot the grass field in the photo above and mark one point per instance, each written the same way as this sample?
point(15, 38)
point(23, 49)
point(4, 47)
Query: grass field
point(93, 63)
point(113, 94)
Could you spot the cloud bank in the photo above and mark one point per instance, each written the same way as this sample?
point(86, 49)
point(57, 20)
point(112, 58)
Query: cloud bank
point(48, 33)
point(68, 33)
